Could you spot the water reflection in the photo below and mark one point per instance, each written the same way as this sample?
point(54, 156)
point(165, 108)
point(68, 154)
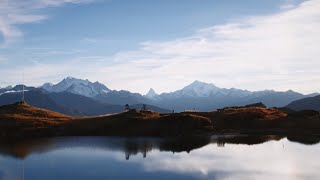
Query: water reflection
point(134, 146)
point(212, 157)
point(129, 146)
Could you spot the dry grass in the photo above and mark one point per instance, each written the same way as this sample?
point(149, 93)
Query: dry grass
point(24, 120)
point(22, 111)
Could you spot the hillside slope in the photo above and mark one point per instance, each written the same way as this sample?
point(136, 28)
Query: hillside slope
point(310, 103)
point(23, 111)
point(39, 99)
point(21, 120)
point(85, 105)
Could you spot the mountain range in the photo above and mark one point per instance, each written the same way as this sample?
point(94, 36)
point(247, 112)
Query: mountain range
point(204, 96)
point(77, 86)
point(77, 97)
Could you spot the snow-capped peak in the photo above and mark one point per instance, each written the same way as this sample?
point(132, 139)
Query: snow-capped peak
point(77, 86)
point(70, 78)
point(198, 88)
point(151, 94)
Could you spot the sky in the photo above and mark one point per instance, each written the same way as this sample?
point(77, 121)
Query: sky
point(165, 45)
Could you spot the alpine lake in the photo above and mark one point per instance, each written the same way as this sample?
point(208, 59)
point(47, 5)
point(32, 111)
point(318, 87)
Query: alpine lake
point(210, 157)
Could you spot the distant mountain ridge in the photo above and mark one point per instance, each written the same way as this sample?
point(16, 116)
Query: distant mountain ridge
point(197, 96)
point(15, 89)
point(66, 102)
point(204, 96)
point(37, 98)
point(77, 86)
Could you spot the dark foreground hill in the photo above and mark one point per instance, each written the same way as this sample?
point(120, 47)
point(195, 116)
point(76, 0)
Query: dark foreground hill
point(310, 103)
point(21, 120)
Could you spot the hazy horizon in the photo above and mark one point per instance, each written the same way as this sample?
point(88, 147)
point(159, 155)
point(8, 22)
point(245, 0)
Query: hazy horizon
point(146, 92)
point(164, 45)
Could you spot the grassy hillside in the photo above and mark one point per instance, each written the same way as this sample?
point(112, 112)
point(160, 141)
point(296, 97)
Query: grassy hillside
point(21, 120)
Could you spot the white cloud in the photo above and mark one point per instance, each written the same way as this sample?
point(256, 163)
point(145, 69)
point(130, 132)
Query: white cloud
point(15, 12)
point(279, 51)
point(36, 73)
point(282, 159)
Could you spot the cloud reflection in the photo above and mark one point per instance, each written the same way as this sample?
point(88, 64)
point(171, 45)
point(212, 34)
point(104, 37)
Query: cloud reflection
point(275, 159)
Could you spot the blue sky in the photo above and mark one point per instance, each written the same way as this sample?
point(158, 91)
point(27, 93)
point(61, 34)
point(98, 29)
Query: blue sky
point(121, 25)
point(163, 44)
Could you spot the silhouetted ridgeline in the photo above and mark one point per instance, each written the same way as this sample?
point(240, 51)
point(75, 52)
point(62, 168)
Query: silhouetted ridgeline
point(21, 120)
point(69, 103)
point(310, 103)
point(77, 97)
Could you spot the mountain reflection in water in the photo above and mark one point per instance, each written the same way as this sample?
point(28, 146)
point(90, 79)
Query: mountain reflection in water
point(134, 146)
point(215, 157)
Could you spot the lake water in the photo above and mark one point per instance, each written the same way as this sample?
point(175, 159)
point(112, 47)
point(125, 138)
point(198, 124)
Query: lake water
point(216, 157)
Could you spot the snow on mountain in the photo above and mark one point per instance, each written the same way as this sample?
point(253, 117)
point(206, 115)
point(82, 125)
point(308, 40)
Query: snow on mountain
point(202, 89)
point(12, 91)
point(16, 89)
point(47, 85)
point(77, 86)
point(151, 94)
point(233, 92)
point(199, 89)
point(203, 95)
point(5, 89)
